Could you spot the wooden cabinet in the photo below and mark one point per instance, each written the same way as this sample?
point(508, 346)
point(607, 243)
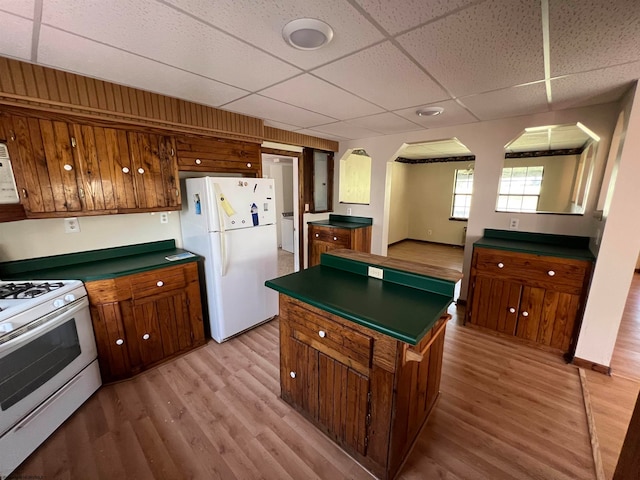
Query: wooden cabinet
point(325, 238)
point(370, 393)
point(64, 168)
point(533, 297)
point(202, 154)
point(140, 320)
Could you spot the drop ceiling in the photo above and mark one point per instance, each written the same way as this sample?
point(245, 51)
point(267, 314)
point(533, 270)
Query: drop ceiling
point(480, 60)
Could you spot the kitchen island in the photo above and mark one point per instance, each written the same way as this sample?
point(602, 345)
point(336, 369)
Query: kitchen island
point(361, 357)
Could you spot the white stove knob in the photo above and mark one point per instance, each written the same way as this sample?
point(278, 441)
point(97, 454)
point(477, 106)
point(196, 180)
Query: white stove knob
point(58, 302)
point(69, 297)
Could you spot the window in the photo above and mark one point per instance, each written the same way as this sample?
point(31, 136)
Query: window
point(462, 188)
point(520, 189)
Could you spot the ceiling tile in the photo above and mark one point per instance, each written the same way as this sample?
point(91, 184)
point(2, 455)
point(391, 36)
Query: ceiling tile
point(453, 114)
point(346, 130)
point(316, 133)
point(450, 147)
point(267, 108)
point(17, 33)
point(369, 74)
point(593, 34)
point(69, 52)
point(510, 102)
point(261, 24)
point(159, 32)
point(386, 123)
point(591, 88)
point(24, 8)
point(491, 45)
point(319, 96)
point(401, 15)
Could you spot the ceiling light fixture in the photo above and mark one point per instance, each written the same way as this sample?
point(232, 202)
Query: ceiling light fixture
point(429, 111)
point(307, 33)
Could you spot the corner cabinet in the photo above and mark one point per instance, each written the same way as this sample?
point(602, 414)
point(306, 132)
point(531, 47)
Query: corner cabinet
point(368, 392)
point(324, 238)
point(143, 319)
point(537, 298)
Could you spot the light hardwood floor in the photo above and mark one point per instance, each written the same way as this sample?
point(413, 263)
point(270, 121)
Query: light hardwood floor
point(505, 412)
point(448, 256)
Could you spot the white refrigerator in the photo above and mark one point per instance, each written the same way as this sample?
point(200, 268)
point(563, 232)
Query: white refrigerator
point(231, 222)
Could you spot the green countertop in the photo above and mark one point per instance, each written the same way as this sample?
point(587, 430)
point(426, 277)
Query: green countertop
point(344, 221)
point(96, 264)
point(391, 307)
point(563, 246)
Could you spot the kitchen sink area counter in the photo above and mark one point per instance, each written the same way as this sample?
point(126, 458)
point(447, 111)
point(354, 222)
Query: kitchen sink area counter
point(361, 356)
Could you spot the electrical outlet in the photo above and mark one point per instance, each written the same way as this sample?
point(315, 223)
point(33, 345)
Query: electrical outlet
point(429, 232)
point(164, 217)
point(376, 272)
point(71, 225)
point(348, 211)
point(514, 223)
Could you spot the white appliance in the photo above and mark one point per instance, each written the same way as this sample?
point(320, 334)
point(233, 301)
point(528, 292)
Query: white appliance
point(286, 232)
point(48, 363)
point(231, 222)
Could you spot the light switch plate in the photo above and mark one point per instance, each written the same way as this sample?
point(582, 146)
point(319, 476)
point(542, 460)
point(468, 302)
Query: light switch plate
point(376, 272)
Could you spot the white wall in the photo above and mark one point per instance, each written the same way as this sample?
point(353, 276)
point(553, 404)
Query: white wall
point(399, 203)
point(619, 246)
point(486, 140)
point(41, 238)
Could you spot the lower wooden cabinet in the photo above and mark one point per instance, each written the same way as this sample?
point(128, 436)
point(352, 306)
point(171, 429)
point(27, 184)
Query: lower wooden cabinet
point(323, 239)
point(360, 387)
point(140, 320)
point(532, 297)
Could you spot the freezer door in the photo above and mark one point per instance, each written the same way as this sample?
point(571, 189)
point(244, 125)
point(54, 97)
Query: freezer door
point(238, 300)
point(242, 202)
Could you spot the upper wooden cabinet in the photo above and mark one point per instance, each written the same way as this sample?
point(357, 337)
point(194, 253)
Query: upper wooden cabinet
point(201, 154)
point(71, 168)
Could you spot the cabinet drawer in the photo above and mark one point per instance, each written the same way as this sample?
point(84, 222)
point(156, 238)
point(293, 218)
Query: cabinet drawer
point(336, 341)
point(561, 273)
point(157, 281)
point(338, 236)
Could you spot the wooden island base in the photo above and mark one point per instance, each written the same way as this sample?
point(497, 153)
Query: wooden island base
point(367, 391)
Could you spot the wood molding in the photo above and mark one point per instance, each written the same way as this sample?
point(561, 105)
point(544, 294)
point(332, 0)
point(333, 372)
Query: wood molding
point(12, 212)
point(593, 434)
point(292, 138)
point(282, 153)
point(596, 367)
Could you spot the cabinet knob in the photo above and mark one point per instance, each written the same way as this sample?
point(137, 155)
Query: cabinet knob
point(500, 265)
point(146, 336)
point(248, 165)
point(25, 194)
point(317, 235)
point(125, 169)
point(198, 161)
point(160, 283)
point(322, 333)
point(141, 170)
point(551, 273)
point(292, 374)
point(335, 238)
point(119, 341)
point(525, 314)
point(68, 167)
point(512, 310)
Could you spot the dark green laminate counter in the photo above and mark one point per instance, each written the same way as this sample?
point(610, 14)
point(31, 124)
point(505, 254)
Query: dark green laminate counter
point(344, 221)
point(96, 264)
point(562, 246)
point(405, 305)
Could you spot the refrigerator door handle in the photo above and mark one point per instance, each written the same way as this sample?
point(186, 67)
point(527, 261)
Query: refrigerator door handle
point(223, 243)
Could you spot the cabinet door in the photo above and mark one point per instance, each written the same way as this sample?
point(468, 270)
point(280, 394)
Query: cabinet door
point(94, 157)
point(316, 249)
point(175, 326)
point(343, 405)
point(557, 324)
point(110, 341)
point(299, 376)
point(495, 304)
point(146, 344)
point(531, 307)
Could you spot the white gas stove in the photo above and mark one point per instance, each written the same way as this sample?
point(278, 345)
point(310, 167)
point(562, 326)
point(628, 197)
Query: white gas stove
point(23, 302)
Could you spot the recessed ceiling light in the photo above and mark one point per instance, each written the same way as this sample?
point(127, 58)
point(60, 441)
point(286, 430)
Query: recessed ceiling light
point(429, 111)
point(307, 33)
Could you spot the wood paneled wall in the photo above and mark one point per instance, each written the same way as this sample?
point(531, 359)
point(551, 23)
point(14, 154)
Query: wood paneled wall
point(33, 86)
point(292, 138)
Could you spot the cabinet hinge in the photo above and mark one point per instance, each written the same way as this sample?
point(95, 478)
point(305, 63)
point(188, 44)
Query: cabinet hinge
point(366, 442)
point(368, 419)
point(369, 398)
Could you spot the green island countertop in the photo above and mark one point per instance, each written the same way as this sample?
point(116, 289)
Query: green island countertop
point(404, 305)
point(96, 264)
point(563, 246)
point(343, 221)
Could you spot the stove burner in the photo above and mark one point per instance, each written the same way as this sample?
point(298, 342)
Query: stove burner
point(21, 290)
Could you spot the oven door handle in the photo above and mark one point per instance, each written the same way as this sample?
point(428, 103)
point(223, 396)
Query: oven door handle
point(49, 321)
point(43, 408)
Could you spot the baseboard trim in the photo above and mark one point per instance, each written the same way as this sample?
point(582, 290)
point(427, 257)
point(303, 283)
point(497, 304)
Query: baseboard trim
point(425, 241)
point(593, 433)
point(596, 367)
point(461, 302)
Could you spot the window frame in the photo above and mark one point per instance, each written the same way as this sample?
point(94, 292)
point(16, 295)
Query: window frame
point(466, 195)
point(523, 194)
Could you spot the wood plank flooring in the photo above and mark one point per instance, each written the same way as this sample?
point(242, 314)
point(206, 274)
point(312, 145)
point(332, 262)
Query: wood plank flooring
point(448, 256)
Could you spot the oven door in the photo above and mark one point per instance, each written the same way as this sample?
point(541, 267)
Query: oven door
point(36, 363)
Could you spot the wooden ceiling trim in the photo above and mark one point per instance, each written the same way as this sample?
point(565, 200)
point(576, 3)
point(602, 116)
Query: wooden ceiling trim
point(545, 153)
point(278, 135)
point(462, 158)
